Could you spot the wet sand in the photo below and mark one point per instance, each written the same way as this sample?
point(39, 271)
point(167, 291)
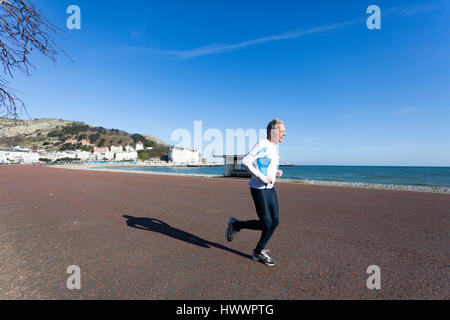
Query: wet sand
point(137, 236)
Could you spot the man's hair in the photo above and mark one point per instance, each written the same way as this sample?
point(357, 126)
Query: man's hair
point(273, 125)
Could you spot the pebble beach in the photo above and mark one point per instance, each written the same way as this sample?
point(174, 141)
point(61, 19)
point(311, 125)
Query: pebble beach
point(120, 168)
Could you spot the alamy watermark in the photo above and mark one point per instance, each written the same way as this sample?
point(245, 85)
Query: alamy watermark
point(74, 20)
point(374, 281)
point(374, 21)
point(214, 142)
point(74, 280)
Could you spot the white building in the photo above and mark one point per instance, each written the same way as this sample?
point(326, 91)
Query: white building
point(129, 149)
point(116, 149)
point(85, 156)
point(122, 156)
point(53, 156)
point(139, 146)
point(101, 149)
point(18, 156)
point(104, 155)
point(184, 155)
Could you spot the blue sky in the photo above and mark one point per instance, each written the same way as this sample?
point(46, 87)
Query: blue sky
point(348, 95)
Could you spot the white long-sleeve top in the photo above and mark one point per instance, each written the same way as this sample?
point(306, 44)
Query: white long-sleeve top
point(262, 162)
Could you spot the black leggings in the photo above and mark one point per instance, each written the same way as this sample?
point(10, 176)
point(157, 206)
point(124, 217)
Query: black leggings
point(266, 204)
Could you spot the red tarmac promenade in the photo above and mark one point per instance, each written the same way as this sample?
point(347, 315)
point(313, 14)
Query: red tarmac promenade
point(138, 236)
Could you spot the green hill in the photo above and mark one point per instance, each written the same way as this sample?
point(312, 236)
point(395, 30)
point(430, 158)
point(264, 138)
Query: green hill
point(51, 134)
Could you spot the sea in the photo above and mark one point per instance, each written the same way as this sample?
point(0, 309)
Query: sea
point(410, 176)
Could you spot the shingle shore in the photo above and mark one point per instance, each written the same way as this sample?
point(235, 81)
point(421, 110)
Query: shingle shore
point(433, 189)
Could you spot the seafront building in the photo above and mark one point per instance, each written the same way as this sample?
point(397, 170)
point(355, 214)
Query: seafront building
point(105, 156)
point(181, 155)
point(116, 153)
point(55, 155)
point(116, 149)
point(123, 156)
point(13, 155)
point(85, 156)
point(233, 166)
point(101, 149)
point(19, 154)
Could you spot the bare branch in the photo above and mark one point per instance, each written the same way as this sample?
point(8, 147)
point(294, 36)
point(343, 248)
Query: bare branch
point(22, 29)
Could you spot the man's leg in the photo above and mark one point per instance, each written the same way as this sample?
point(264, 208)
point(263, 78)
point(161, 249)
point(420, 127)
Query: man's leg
point(266, 205)
point(264, 209)
point(250, 224)
point(261, 206)
point(235, 226)
point(261, 200)
point(273, 205)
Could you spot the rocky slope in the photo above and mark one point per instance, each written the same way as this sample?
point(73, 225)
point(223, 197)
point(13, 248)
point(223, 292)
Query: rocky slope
point(28, 128)
point(51, 133)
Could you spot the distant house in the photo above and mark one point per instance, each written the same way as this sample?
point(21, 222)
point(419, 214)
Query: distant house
point(101, 149)
point(71, 141)
point(184, 155)
point(104, 156)
point(130, 155)
point(116, 149)
point(107, 156)
point(17, 155)
point(102, 153)
point(84, 155)
point(86, 142)
point(139, 146)
point(53, 156)
point(3, 158)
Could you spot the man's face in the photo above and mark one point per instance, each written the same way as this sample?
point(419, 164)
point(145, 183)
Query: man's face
point(279, 133)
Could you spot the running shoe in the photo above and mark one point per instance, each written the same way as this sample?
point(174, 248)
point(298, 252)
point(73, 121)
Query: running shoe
point(230, 230)
point(263, 257)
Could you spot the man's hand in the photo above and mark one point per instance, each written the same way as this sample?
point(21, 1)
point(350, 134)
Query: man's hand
point(269, 180)
point(279, 173)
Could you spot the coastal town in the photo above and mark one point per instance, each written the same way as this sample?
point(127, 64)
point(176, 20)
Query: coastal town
point(113, 154)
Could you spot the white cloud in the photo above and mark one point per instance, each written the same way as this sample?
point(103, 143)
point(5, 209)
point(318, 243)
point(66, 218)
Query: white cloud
point(220, 48)
point(406, 110)
point(348, 116)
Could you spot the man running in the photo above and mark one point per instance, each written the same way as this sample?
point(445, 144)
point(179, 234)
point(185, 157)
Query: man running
point(264, 174)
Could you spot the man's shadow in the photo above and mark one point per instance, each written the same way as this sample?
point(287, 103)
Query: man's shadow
point(159, 226)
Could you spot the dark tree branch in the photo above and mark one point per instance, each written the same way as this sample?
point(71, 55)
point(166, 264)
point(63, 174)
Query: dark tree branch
point(22, 30)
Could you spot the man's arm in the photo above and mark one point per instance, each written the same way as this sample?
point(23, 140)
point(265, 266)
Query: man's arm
point(250, 158)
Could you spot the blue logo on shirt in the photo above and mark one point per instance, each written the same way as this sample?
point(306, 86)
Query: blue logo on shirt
point(263, 165)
